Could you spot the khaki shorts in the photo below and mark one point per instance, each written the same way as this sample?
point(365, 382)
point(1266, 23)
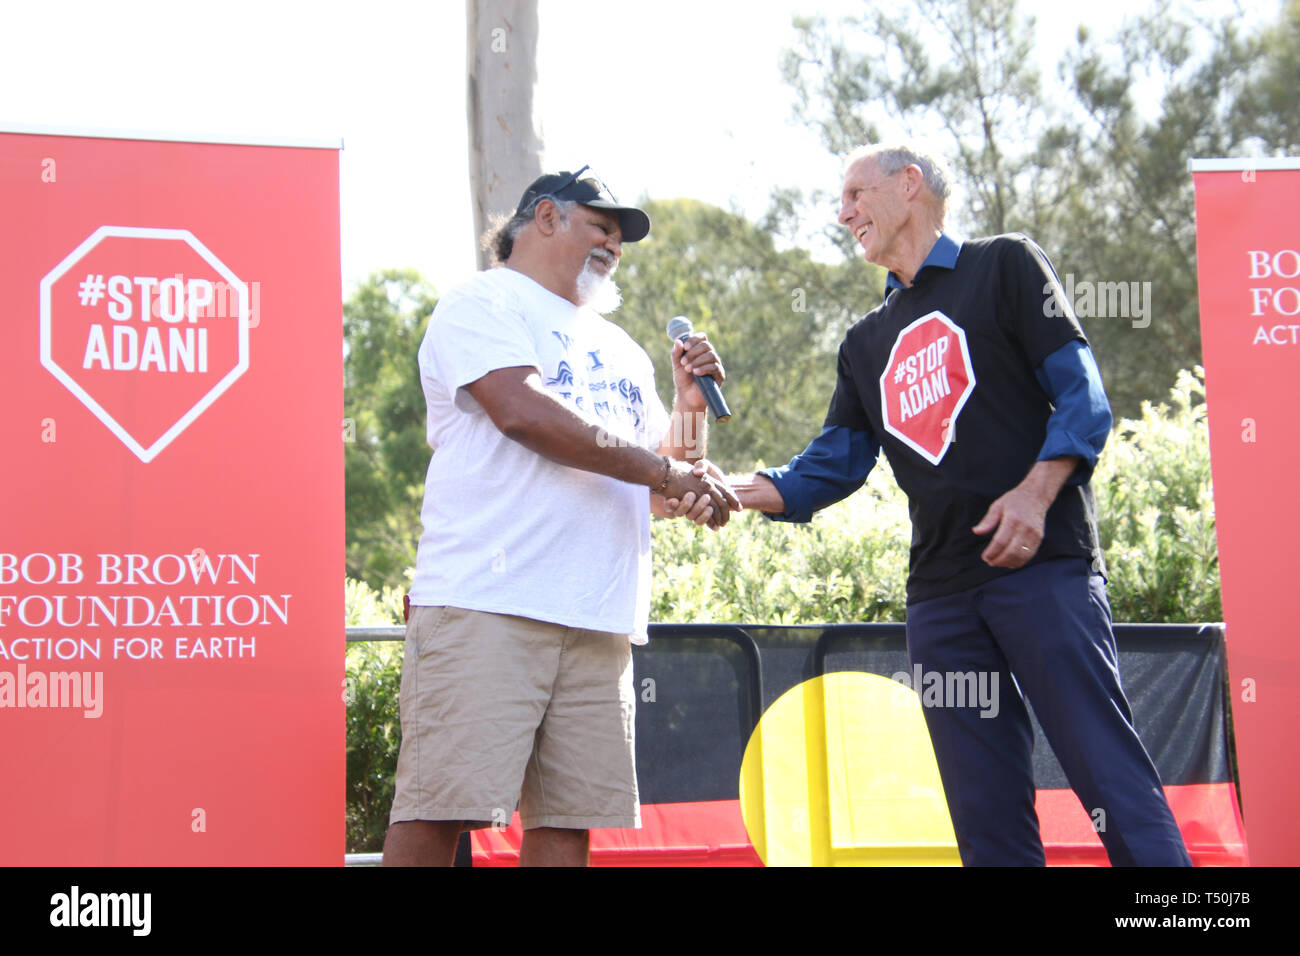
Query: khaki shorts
point(499, 710)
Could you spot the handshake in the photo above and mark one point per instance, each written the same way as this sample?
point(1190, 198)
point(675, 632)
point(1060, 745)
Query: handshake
point(701, 493)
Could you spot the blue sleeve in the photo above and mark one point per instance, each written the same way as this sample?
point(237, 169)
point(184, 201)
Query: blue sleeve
point(832, 467)
point(1081, 421)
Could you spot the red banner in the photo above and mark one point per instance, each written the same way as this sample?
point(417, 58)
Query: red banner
point(1248, 268)
point(171, 550)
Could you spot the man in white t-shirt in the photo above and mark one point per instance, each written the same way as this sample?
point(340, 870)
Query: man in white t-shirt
point(551, 450)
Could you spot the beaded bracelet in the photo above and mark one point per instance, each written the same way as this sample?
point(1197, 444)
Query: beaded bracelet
point(667, 474)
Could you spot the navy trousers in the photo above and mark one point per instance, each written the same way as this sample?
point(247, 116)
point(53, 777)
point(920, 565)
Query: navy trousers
point(1044, 633)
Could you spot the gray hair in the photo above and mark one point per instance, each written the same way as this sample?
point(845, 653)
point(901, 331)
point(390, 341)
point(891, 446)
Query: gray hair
point(500, 236)
point(892, 157)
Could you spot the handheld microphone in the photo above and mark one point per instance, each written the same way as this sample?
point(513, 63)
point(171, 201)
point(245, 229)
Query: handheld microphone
point(679, 330)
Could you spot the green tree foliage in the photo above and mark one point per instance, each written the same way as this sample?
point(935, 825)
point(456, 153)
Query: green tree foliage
point(776, 317)
point(959, 71)
point(387, 454)
point(1265, 110)
point(1130, 215)
point(1082, 163)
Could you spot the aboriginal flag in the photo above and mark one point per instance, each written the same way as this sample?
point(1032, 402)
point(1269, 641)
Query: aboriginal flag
point(801, 745)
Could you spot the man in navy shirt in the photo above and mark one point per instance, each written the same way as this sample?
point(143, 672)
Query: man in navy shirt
point(976, 380)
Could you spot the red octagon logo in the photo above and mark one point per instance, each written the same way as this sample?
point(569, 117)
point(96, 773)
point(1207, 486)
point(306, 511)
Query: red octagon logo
point(147, 328)
point(925, 384)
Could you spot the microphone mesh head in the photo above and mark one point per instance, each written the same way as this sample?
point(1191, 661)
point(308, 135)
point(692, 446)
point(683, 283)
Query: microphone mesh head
point(678, 326)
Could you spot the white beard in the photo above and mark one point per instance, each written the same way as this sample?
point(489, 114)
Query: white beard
point(598, 292)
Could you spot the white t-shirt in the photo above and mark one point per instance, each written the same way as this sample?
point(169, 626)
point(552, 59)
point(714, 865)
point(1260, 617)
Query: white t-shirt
point(506, 530)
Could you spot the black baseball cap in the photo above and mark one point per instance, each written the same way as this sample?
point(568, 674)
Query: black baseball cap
point(633, 223)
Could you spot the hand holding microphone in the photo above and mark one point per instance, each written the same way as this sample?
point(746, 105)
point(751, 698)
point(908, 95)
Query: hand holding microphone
point(696, 355)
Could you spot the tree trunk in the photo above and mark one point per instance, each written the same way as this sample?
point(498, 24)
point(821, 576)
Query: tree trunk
point(505, 148)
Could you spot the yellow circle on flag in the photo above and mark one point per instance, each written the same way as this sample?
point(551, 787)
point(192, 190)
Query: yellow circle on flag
point(840, 772)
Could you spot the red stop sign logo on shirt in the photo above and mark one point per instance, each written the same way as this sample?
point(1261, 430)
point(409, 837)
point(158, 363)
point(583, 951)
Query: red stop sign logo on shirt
point(147, 328)
point(925, 384)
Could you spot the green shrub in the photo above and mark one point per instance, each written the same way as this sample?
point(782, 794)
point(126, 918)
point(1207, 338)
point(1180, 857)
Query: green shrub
point(848, 564)
point(366, 607)
point(1157, 511)
point(374, 733)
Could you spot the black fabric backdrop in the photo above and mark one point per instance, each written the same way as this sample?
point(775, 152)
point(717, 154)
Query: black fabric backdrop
point(702, 687)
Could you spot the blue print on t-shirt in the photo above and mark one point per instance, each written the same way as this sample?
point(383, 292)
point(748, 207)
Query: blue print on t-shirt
point(563, 376)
